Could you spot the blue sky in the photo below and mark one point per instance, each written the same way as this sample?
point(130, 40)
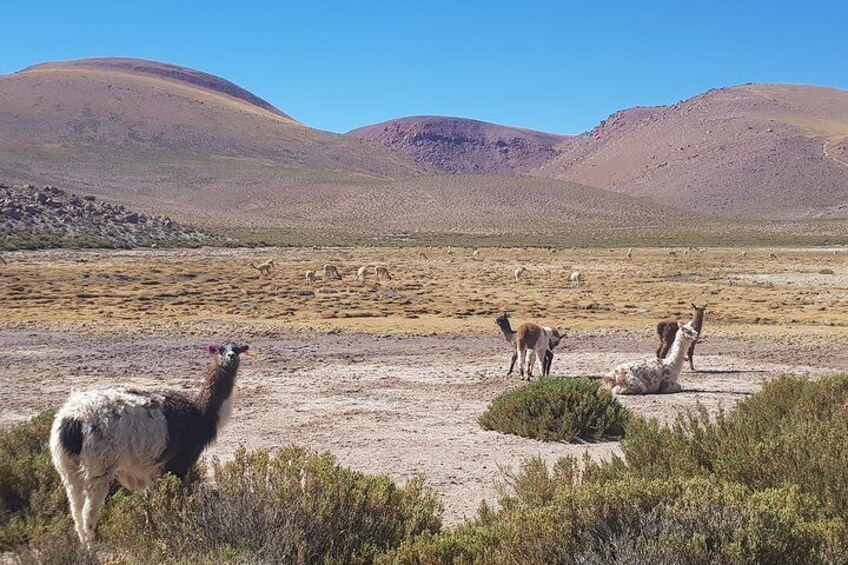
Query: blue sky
point(554, 66)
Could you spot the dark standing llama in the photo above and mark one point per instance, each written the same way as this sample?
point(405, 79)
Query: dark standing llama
point(667, 331)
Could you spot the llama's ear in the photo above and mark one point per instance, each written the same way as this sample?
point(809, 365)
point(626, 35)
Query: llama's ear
point(693, 306)
point(211, 349)
point(243, 349)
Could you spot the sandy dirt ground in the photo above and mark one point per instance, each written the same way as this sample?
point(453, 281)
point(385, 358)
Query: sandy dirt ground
point(400, 405)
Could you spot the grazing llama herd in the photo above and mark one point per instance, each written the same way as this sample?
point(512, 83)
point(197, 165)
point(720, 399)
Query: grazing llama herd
point(134, 436)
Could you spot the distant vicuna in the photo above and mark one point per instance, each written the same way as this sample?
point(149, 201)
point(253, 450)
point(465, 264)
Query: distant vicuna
point(264, 268)
point(667, 331)
point(331, 272)
point(134, 436)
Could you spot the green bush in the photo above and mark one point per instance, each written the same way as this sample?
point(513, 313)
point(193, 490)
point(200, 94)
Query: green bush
point(284, 506)
point(795, 431)
point(31, 494)
point(765, 483)
point(675, 520)
point(290, 505)
point(553, 409)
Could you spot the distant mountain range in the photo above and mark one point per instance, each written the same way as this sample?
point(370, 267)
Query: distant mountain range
point(166, 139)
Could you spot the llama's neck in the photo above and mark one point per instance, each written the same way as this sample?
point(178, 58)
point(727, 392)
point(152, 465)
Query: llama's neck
point(698, 320)
point(506, 330)
point(215, 398)
point(677, 353)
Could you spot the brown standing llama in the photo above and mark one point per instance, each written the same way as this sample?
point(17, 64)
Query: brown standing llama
point(667, 330)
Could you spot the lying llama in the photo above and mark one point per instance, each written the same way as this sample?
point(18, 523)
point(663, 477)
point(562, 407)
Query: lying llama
point(509, 335)
point(382, 273)
point(331, 272)
point(653, 375)
point(667, 332)
point(264, 268)
point(134, 436)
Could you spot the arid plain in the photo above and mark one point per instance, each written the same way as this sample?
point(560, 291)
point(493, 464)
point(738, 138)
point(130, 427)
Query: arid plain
point(391, 376)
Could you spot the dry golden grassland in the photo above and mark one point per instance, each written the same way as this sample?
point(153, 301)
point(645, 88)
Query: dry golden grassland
point(769, 291)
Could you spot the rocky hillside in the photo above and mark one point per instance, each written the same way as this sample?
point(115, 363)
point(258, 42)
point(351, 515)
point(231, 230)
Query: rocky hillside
point(50, 217)
point(457, 145)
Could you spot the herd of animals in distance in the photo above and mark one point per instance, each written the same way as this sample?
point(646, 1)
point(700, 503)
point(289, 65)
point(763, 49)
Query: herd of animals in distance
point(134, 436)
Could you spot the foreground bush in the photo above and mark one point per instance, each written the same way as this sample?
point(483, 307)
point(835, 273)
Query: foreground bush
point(683, 521)
point(557, 410)
point(795, 431)
point(31, 494)
point(287, 506)
point(764, 483)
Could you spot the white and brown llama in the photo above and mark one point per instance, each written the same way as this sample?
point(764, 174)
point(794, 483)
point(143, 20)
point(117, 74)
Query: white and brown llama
point(651, 376)
point(535, 339)
point(134, 436)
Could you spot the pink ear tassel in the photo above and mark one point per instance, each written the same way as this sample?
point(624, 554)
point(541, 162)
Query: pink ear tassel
point(249, 353)
point(211, 349)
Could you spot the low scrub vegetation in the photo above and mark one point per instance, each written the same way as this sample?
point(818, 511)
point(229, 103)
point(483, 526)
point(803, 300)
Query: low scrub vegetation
point(283, 506)
point(557, 410)
point(764, 483)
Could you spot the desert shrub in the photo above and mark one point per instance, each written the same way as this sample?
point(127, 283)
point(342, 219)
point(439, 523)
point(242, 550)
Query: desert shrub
point(31, 493)
point(697, 520)
point(557, 410)
point(765, 483)
point(826, 271)
point(795, 431)
point(288, 506)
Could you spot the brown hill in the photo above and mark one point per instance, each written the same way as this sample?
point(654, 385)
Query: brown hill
point(458, 145)
point(165, 138)
point(754, 151)
point(760, 151)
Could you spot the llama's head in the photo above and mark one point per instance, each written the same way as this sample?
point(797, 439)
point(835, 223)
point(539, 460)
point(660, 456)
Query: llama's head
point(556, 337)
point(227, 355)
point(687, 332)
point(699, 309)
point(503, 320)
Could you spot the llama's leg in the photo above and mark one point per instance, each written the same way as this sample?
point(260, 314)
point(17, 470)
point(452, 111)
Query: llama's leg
point(531, 362)
point(69, 472)
point(512, 363)
point(546, 364)
point(633, 385)
point(660, 349)
point(670, 387)
point(95, 494)
point(692, 357)
point(519, 351)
